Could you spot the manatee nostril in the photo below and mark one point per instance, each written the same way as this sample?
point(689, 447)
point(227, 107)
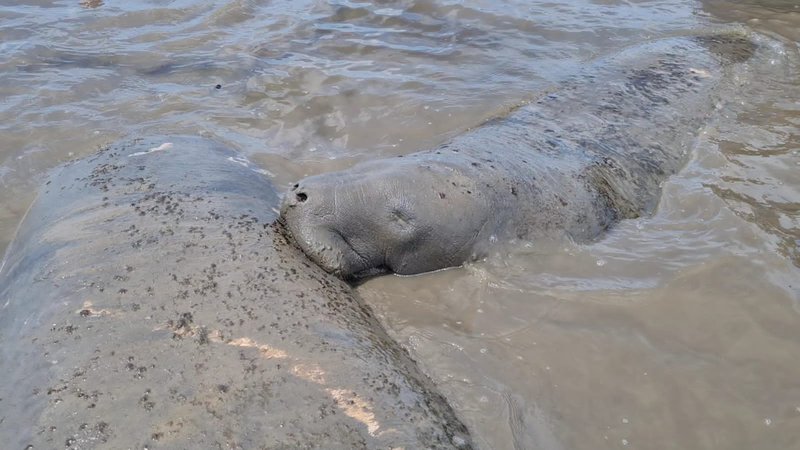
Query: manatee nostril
point(301, 197)
point(297, 185)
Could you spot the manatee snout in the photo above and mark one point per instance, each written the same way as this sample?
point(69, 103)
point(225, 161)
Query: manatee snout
point(316, 222)
point(382, 217)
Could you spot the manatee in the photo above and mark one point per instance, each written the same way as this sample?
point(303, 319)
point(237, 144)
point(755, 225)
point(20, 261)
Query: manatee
point(149, 301)
point(568, 164)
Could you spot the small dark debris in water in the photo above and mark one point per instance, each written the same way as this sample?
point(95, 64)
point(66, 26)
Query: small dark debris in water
point(140, 372)
point(185, 320)
point(219, 86)
point(145, 401)
point(52, 391)
point(202, 337)
point(85, 313)
point(222, 388)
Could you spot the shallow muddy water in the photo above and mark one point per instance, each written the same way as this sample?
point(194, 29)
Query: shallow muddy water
point(676, 331)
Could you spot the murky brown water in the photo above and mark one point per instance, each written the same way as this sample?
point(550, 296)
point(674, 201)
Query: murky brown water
point(674, 331)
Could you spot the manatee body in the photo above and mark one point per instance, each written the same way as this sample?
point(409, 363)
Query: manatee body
point(148, 302)
point(571, 163)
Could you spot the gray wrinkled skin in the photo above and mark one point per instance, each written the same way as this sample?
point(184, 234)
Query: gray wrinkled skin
point(149, 302)
point(571, 163)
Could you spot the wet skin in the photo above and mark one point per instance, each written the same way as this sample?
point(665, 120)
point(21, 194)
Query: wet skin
point(569, 164)
point(149, 300)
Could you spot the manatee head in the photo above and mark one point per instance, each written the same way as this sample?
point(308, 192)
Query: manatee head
point(400, 215)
